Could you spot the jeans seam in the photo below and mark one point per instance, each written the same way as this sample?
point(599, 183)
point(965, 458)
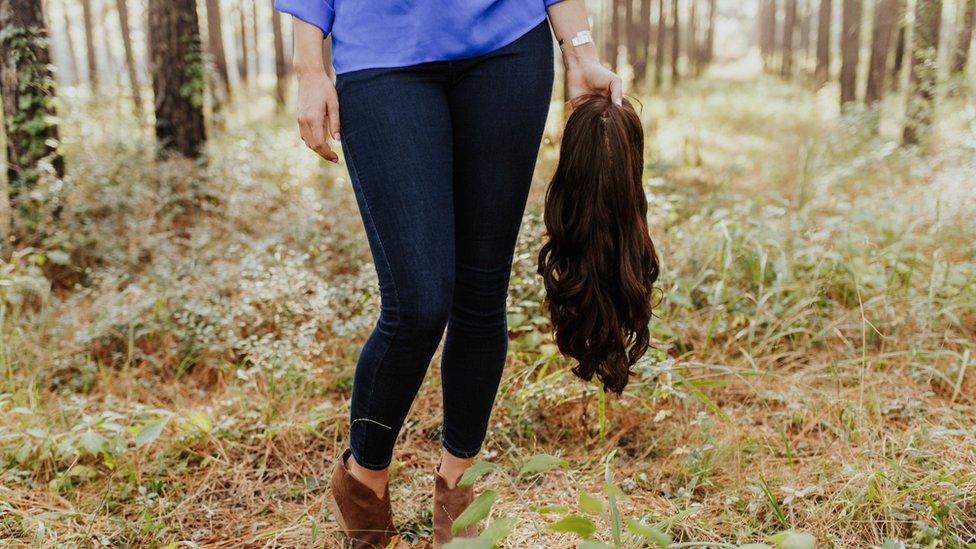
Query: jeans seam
point(396, 296)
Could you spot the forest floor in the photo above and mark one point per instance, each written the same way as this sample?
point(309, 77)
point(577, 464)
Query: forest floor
point(184, 382)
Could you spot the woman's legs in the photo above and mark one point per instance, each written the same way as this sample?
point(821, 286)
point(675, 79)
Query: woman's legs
point(498, 106)
point(397, 140)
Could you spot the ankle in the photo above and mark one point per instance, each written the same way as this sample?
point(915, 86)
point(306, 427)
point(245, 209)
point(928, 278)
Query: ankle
point(452, 468)
point(374, 480)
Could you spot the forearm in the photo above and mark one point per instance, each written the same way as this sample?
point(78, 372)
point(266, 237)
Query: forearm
point(568, 18)
point(308, 58)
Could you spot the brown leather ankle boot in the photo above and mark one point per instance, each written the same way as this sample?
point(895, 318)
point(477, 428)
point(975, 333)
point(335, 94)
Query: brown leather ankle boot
point(448, 504)
point(365, 518)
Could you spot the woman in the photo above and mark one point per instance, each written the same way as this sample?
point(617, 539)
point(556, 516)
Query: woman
point(443, 105)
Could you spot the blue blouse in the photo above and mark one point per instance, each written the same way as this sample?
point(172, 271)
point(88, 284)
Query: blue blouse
point(397, 33)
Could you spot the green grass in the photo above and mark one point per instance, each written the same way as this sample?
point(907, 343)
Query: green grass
point(187, 377)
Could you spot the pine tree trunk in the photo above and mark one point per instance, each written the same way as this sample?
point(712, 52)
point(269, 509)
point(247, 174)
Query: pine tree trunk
point(675, 42)
point(885, 16)
point(769, 23)
point(662, 32)
point(281, 68)
point(178, 76)
point(961, 54)
point(130, 58)
point(242, 44)
point(850, 50)
point(898, 62)
point(91, 57)
point(789, 29)
point(72, 60)
point(255, 39)
point(27, 90)
point(628, 28)
point(923, 71)
point(642, 39)
point(616, 31)
point(691, 40)
point(215, 45)
point(710, 33)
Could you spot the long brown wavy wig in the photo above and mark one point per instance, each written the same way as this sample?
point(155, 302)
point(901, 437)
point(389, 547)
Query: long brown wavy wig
point(598, 262)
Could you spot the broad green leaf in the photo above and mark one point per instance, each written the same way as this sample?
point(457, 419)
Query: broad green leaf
point(549, 509)
point(792, 539)
point(92, 442)
point(574, 524)
point(82, 472)
point(541, 463)
point(648, 533)
point(591, 505)
point(151, 431)
point(478, 510)
point(592, 544)
point(200, 421)
point(499, 529)
point(469, 543)
point(477, 470)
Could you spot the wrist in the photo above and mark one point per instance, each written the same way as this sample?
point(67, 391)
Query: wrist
point(577, 56)
point(305, 70)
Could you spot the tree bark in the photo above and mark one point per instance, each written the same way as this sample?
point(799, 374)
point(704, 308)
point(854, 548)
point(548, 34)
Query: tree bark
point(850, 50)
point(710, 33)
point(675, 42)
point(662, 31)
point(642, 38)
point(691, 42)
point(281, 68)
point(789, 29)
point(27, 90)
point(885, 16)
point(923, 71)
point(178, 76)
point(899, 58)
point(215, 45)
point(961, 54)
point(72, 60)
point(242, 44)
point(616, 30)
point(130, 58)
point(91, 57)
point(769, 33)
point(256, 38)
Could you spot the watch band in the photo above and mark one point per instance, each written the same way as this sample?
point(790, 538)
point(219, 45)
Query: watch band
point(582, 37)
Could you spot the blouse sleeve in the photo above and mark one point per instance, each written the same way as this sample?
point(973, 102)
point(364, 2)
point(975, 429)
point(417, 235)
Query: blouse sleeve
point(316, 12)
point(551, 2)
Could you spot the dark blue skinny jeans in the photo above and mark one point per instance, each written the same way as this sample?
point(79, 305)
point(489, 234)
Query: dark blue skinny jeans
point(441, 157)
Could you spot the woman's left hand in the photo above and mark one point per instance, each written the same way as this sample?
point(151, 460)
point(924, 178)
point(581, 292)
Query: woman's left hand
point(588, 76)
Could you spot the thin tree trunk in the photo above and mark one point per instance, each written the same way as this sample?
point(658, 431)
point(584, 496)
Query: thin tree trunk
point(281, 69)
point(806, 23)
point(961, 54)
point(692, 40)
point(770, 33)
point(242, 43)
point(178, 76)
point(642, 39)
point(850, 50)
point(710, 33)
point(72, 60)
point(255, 39)
point(629, 37)
point(613, 41)
point(26, 88)
point(130, 58)
point(215, 45)
point(789, 29)
point(662, 31)
point(885, 16)
point(91, 57)
point(898, 62)
point(924, 71)
point(675, 42)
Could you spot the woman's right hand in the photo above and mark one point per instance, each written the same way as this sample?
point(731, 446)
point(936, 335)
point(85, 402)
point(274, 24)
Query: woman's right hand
point(318, 112)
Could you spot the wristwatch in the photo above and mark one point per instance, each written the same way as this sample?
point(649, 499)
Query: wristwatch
point(582, 37)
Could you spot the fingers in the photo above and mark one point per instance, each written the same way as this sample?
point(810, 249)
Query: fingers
point(313, 134)
point(616, 90)
point(333, 114)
